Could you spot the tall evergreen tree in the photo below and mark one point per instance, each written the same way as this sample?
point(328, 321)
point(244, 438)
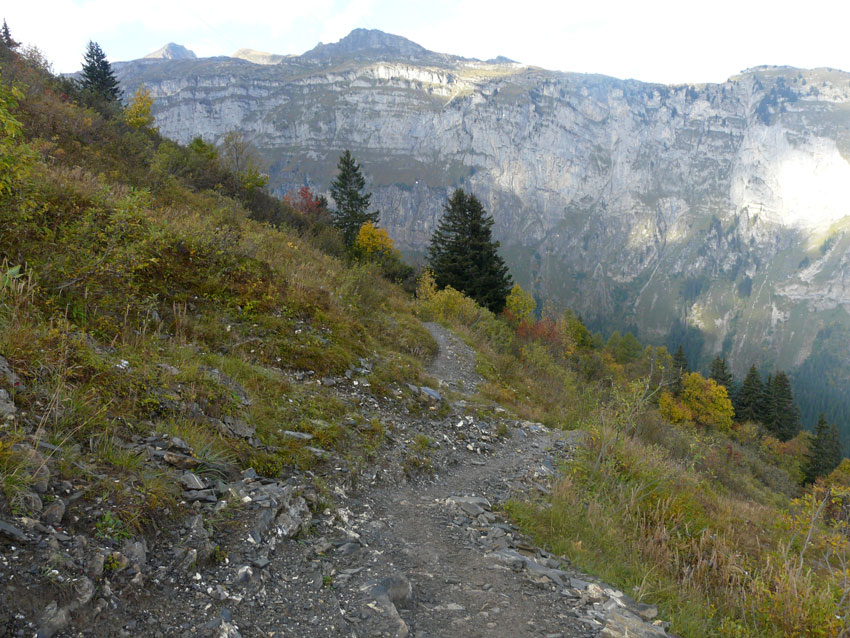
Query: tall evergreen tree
point(680, 368)
point(352, 204)
point(834, 455)
point(6, 37)
point(463, 255)
point(782, 415)
point(749, 397)
point(719, 371)
point(825, 452)
point(97, 78)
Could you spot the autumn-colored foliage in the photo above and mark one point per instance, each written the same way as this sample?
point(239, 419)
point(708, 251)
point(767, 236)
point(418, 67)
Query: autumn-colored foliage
point(138, 113)
point(520, 304)
point(307, 202)
point(702, 401)
point(373, 241)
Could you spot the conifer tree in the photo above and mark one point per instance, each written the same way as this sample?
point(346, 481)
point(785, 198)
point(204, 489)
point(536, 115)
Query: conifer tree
point(352, 204)
point(766, 405)
point(749, 401)
point(6, 37)
point(97, 78)
point(825, 452)
point(680, 368)
point(719, 372)
point(834, 455)
point(782, 416)
point(463, 255)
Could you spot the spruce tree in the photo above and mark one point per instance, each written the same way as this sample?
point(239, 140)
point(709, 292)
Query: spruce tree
point(352, 204)
point(463, 255)
point(6, 37)
point(782, 415)
point(719, 371)
point(98, 80)
point(825, 451)
point(834, 455)
point(749, 398)
point(680, 368)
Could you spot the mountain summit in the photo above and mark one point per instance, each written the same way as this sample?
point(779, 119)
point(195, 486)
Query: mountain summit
point(367, 44)
point(172, 51)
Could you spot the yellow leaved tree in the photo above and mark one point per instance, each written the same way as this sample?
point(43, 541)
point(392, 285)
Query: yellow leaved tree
point(373, 241)
point(520, 304)
point(138, 113)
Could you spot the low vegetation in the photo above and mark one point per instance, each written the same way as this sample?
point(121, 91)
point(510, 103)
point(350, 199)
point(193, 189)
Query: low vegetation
point(148, 288)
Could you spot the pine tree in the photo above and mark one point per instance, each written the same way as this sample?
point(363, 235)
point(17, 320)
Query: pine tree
point(825, 451)
point(97, 78)
point(767, 405)
point(680, 368)
point(6, 37)
point(352, 204)
point(719, 371)
point(749, 398)
point(463, 255)
point(782, 415)
point(833, 446)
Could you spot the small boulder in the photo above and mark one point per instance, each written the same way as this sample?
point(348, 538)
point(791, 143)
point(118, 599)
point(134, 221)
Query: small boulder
point(54, 512)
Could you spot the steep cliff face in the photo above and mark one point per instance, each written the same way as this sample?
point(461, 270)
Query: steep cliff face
point(723, 206)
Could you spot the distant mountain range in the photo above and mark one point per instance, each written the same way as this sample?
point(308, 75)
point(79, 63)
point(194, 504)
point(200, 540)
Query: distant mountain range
point(713, 215)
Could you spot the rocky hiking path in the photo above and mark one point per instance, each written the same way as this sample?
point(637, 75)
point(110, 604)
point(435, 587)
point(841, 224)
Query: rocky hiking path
point(410, 545)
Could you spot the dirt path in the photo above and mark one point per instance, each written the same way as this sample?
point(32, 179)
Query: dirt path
point(412, 545)
point(465, 564)
point(454, 365)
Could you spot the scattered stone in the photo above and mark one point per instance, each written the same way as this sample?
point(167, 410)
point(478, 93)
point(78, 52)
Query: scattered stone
point(180, 461)
point(135, 551)
point(218, 376)
point(302, 436)
point(83, 593)
point(7, 406)
point(431, 393)
point(54, 512)
point(206, 496)
point(11, 378)
point(244, 575)
point(396, 588)
point(96, 566)
point(53, 620)
point(621, 623)
point(12, 533)
point(192, 481)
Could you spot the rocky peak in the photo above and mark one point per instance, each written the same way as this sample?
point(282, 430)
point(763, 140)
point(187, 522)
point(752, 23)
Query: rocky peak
point(172, 51)
point(367, 44)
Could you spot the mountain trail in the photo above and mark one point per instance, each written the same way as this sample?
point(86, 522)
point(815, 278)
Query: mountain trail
point(411, 543)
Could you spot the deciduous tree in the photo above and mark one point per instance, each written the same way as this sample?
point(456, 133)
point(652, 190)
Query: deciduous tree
point(139, 112)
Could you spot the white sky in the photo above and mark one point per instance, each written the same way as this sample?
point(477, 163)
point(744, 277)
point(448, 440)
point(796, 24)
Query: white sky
point(672, 41)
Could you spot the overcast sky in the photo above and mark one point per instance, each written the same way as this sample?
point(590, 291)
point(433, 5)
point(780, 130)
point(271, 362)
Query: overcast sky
point(659, 41)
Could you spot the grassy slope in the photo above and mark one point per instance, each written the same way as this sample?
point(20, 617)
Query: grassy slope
point(144, 272)
point(139, 286)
